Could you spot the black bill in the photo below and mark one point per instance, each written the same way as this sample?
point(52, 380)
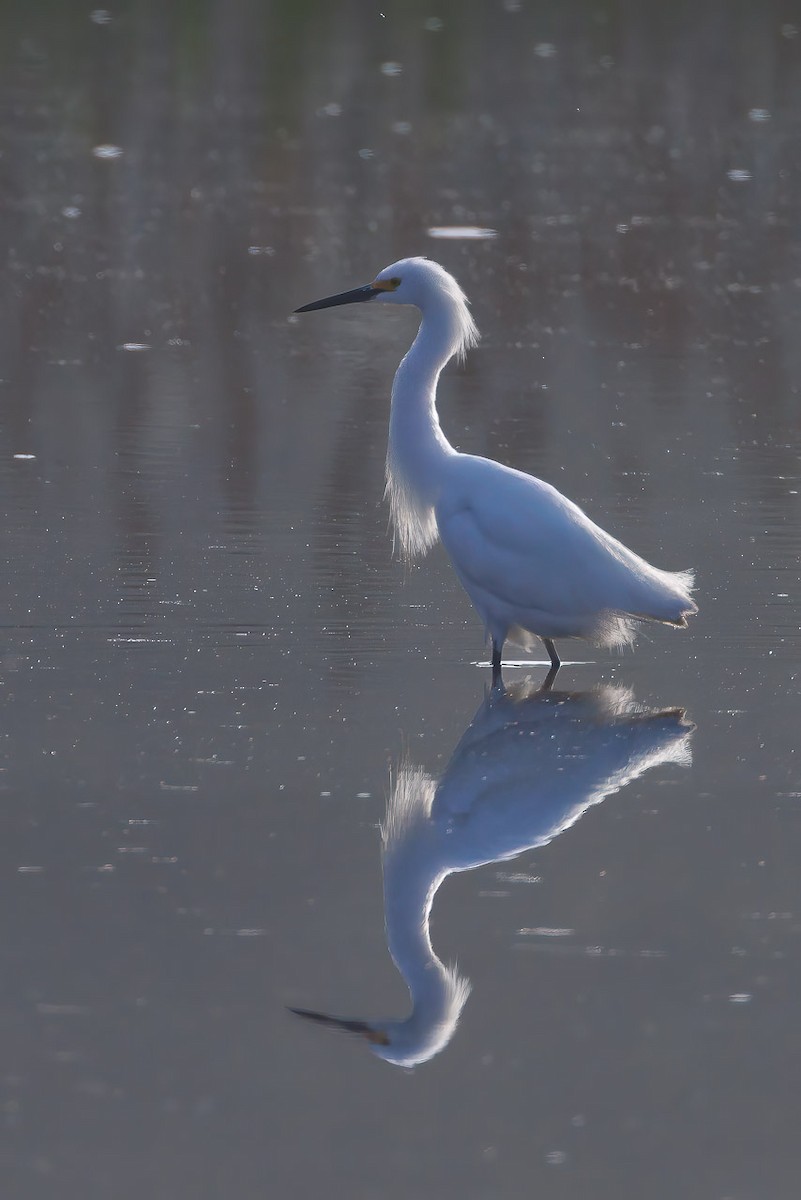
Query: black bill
point(354, 296)
point(336, 1022)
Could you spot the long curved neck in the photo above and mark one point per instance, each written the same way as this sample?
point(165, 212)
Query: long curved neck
point(416, 441)
point(417, 446)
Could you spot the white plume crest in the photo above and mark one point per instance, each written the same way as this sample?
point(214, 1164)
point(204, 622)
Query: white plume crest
point(464, 329)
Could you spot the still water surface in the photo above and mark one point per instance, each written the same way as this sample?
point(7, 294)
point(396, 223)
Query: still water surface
point(214, 675)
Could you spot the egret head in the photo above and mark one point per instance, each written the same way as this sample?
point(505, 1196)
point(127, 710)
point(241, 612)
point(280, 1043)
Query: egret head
point(375, 1034)
point(420, 282)
point(417, 281)
point(415, 1040)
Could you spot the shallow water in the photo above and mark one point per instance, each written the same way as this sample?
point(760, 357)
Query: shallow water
point(214, 673)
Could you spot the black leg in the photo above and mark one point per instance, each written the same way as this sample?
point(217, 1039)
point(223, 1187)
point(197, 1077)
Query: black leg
point(556, 662)
point(549, 680)
point(496, 663)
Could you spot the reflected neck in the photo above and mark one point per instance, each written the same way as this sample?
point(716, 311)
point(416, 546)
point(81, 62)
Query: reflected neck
point(411, 879)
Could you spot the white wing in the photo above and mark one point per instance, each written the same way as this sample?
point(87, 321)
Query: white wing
point(521, 544)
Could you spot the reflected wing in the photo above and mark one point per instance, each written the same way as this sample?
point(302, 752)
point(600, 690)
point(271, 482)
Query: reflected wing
point(525, 782)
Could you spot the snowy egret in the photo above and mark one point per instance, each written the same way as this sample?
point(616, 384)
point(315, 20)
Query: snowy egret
point(532, 562)
point(527, 767)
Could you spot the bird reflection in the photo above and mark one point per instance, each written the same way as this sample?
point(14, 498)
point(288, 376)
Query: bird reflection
point(530, 763)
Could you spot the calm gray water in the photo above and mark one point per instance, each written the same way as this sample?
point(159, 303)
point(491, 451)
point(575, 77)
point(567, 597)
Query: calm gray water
point(214, 674)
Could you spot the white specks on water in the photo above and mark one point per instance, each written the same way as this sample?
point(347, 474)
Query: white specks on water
point(177, 787)
point(100, 16)
point(107, 150)
point(472, 232)
point(789, 31)
point(267, 251)
point(30, 870)
point(71, 212)
point(433, 24)
point(772, 916)
point(391, 69)
point(363, 795)
point(517, 877)
point(366, 153)
point(555, 1158)
point(740, 998)
point(330, 110)
point(121, 640)
point(739, 175)
point(545, 931)
point(753, 289)
point(402, 127)
point(551, 943)
point(240, 933)
point(622, 227)
point(545, 50)
point(24, 457)
point(134, 347)
point(758, 115)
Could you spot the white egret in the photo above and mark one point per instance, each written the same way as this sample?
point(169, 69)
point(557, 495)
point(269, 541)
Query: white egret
point(527, 767)
point(532, 562)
